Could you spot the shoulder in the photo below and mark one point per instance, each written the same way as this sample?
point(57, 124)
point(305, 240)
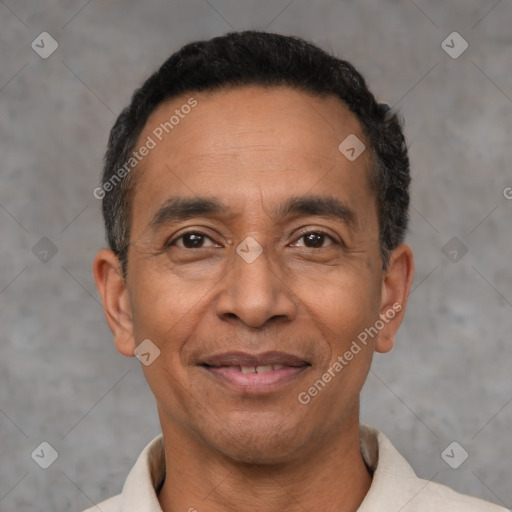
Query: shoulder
point(440, 497)
point(139, 490)
point(395, 486)
point(111, 505)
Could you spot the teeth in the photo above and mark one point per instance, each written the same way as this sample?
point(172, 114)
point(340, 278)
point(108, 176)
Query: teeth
point(264, 369)
point(255, 369)
point(259, 369)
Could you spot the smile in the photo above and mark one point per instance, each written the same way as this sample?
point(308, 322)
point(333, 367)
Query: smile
point(255, 374)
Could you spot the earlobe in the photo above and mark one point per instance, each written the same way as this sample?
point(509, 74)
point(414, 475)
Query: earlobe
point(396, 286)
point(114, 296)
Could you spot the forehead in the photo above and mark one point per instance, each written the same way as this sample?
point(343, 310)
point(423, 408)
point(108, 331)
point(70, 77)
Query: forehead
point(229, 118)
point(250, 141)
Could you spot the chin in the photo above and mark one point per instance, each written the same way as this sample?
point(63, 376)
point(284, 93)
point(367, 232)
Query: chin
point(253, 442)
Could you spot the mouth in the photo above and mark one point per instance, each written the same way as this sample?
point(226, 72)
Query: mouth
point(255, 374)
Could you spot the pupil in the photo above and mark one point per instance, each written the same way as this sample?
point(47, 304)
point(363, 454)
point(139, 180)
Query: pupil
point(192, 240)
point(314, 238)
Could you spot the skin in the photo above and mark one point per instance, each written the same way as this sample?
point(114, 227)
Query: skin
point(253, 148)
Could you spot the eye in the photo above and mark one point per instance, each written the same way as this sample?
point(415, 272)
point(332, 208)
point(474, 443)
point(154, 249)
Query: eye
point(190, 240)
point(314, 240)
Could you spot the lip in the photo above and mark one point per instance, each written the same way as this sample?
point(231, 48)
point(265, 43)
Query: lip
point(227, 367)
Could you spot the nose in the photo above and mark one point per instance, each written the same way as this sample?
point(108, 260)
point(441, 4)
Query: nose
point(255, 293)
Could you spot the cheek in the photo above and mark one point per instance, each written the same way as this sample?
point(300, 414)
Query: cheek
point(342, 311)
point(342, 302)
point(167, 314)
point(342, 308)
point(165, 307)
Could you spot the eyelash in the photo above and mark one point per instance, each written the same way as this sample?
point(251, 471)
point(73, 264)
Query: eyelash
point(171, 242)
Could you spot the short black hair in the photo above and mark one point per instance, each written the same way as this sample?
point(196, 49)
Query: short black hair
point(260, 58)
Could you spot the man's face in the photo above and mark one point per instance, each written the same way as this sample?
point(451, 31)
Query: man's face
point(269, 155)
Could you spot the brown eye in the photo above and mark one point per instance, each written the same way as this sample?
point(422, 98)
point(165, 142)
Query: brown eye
point(314, 240)
point(190, 240)
point(193, 240)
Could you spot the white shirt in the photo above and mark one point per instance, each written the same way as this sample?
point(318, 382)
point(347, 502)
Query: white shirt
point(395, 487)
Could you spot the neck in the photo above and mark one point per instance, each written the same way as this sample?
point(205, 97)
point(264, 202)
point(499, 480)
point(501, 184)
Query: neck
point(332, 477)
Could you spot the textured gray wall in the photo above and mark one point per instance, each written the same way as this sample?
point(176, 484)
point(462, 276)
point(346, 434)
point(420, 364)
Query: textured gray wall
point(61, 380)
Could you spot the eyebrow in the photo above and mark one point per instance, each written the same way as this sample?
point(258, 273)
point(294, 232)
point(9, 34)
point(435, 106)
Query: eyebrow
point(321, 206)
point(178, 208)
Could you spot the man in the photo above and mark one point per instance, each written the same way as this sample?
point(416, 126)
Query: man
point(255, 198)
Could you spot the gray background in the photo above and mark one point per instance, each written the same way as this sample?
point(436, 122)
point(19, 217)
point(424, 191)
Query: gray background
point(61, 380)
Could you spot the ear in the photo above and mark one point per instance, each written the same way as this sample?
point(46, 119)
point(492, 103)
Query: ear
point(396, 285)
point(116, 302)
